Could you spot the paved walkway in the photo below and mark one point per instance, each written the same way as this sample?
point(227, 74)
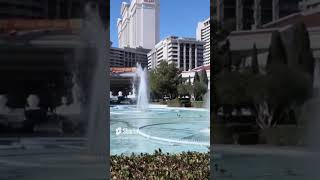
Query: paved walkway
point(264, 163)
point(50, 164)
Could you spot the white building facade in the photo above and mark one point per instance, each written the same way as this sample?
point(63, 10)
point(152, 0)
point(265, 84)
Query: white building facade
point(189, 75)
point(139, 25)
point(203, 34)
point(186, 53)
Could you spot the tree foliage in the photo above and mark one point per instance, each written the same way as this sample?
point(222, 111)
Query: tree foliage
point(204, 77)
point(277, 52)
point(200, 86)
point(164, 80)
point(271, 94)
point(196, 77)
point(303, 53)
point(185, 89)
point(254, 59)
point(199, 90)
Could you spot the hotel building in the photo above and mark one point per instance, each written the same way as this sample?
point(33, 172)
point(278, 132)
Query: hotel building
point(250, 14)
point(187, 53)
point(203, 34)
point(128, 57)
point(48, 9)
point(139, 25)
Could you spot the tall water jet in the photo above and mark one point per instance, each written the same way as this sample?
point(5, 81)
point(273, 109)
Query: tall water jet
point(142, 98)
point(94, 35)
point(207, 107)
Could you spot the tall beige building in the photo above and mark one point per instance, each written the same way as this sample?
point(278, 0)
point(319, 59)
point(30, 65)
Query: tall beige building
point(139, 25)
point(203, 34)
point(186, 53)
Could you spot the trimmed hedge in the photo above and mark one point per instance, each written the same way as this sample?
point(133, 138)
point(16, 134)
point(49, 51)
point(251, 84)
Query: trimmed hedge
point(186, 165)
point(198, 104)
point(283, 135)
point(178, 103)
point(222, 134)
point(185, 103)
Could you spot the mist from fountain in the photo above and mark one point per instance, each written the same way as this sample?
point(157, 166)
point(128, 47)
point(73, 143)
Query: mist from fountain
point(310, 114)
point(207, 107)
point(142, 96)
point(95, 35)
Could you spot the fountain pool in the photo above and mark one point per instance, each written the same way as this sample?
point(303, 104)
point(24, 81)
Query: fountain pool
point(173, 130)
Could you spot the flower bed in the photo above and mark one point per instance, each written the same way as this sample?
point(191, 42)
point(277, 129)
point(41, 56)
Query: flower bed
point(187, 165)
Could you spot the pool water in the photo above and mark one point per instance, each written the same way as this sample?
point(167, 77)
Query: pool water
point(173, 130)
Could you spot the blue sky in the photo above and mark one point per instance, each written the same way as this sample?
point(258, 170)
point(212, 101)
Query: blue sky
point(177, 17)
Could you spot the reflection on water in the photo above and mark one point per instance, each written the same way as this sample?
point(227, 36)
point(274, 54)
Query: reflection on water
point(172, 129)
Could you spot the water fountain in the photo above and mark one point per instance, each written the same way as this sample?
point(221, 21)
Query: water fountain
point(310, 113)
point(142, 98)
point(94, 34)
point(207, 107)
point(158, 126)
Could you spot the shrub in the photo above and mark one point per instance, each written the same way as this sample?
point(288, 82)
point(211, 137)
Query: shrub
point(222, 134)
point(187, 165)
point(174, 103)
point(179, 103)
point(283, 135)
point(198, 104)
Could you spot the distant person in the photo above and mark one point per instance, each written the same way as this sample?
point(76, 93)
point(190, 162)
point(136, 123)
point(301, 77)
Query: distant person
point(34, 114)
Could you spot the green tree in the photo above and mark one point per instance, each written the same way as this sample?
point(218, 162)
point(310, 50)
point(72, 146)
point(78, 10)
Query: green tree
point(272, 95)
point(231, 88)
point(221, 44)
point(227, 56)
point(199, 87)
point(154, 86)
point(285, 89)
point(196, 77)
point(199, 90)
point(184, 89)
point(277, 53)
point(303, 53)
point(203, 77)
point(222, 54)
point(164, 80)
point(254, 60)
